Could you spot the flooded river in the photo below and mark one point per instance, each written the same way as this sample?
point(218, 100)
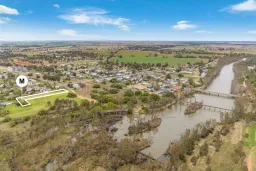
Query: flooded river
point(174, 122)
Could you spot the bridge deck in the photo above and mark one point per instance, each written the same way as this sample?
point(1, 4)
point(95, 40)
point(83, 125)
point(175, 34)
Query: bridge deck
point(213, 107)
point(213, 93)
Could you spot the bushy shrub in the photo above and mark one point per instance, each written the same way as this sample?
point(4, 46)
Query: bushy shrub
point(71, 95)
point(96, 86)
point(116, 85)
point(129, 93)
point(138, 93)
point(113, 91)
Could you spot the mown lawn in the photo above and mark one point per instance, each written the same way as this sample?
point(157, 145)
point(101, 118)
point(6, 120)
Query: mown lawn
point(36, 106)
point(250, 140)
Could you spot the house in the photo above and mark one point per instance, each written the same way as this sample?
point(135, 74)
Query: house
point(44, 89)
point(28, 89)
point(176, 88)
point(184, 80)
point(174, 81)
point(60, 86)
point(5, 103)
point(119, 74)
point(186, 72)
point(203, 74)
point(17, 69)
point(94, 74)
point(76, 85)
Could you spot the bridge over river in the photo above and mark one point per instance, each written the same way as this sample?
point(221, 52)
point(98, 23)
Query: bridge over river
point(211, 93)
point(213, 108)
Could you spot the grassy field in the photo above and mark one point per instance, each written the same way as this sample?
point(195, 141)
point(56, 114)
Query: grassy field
point(36, 106)
point(148, 57)
point(249, 141)
point(103, 52)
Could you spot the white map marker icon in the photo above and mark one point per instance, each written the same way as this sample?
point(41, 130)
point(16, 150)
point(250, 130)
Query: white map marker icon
point(22, 81)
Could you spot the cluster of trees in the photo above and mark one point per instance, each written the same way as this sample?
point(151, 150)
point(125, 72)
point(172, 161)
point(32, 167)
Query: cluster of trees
point(62, 56)
point(3, 112)
point(103, 96)
point(117, 85)
point(71, 95)
point(51, 132)
point(186, 145)
point(133, 65)
point(150, 47)
point(53, 77)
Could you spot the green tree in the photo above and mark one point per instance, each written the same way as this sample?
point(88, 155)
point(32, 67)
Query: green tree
point(155, 97)
point(71, 95)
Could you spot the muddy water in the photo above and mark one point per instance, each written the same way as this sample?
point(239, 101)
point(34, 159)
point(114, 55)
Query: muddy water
point(174, 122)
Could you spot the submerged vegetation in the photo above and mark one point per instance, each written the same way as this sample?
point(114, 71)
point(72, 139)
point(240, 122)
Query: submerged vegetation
point(144, 126)
point(193, 107)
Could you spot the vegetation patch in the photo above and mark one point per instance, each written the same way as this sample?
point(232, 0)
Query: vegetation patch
point(37, 105)
point(144, 126)
point(249, 136)
point(152, 57)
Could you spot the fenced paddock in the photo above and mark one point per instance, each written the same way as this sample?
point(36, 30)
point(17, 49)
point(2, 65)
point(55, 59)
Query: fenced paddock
point(24, 100)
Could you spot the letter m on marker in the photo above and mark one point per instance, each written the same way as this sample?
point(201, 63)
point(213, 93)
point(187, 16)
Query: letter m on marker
point(22, 80)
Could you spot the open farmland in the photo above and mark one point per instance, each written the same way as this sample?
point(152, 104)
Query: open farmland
point(103, 52)
point(216, 49)
point(152, 57)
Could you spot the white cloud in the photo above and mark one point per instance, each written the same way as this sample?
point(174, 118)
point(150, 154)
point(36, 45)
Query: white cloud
point(68, 32)
point(4, 20)
point(248, 5)
point(183, 25)
point(7, 10)
point(29, 12)
point(74, 34)
point(252, 32)
point(56, 5)
point(95, 16)
point(204, 31)
point(124, 27)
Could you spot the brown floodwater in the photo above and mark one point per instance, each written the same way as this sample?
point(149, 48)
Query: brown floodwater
point(174, 122)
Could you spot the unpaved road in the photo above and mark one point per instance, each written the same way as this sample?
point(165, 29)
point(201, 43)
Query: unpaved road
point(249, 163)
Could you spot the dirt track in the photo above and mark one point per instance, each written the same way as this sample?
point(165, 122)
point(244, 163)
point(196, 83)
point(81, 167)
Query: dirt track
point(236, 133)
point(249, 163)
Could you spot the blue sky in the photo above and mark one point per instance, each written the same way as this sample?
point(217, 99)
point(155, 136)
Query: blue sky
point(160, 20)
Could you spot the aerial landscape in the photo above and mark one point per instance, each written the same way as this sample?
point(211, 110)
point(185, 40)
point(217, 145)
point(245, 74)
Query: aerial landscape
point(91, 86)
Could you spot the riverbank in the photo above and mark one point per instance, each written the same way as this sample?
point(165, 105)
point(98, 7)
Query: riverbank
point(214, 72)
point(231, 142)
